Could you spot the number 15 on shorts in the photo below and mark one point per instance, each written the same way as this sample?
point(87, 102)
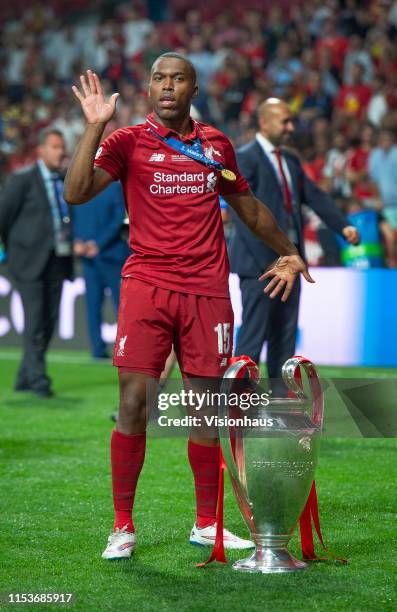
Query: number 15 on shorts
point(223, 332)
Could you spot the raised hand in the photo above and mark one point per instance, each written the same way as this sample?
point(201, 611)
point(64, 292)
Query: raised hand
point(283, 275)
point(92, 100)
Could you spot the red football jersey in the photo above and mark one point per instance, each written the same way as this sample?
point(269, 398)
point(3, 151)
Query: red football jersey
point(354, 99)
point(176, 231)
point(358, 160)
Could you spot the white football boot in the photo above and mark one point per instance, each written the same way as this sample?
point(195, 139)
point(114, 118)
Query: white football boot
point(206, 537)
point(121, 544)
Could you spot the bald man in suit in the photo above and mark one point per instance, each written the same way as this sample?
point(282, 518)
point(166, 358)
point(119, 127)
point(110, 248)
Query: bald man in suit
point(277, 178)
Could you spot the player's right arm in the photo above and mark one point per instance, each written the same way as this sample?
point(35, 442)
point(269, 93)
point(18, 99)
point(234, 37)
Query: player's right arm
point(83, 181)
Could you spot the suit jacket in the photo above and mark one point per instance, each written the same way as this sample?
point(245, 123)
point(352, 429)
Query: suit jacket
point(101, 220)
point(249, 256)
point(26, 226)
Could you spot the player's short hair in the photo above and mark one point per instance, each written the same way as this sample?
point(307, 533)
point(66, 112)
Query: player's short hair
point(175, 55)
point(46, 132)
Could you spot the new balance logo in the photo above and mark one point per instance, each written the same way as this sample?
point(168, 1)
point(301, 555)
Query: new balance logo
point(157, 157)
point(120, 352)
point(211, 182)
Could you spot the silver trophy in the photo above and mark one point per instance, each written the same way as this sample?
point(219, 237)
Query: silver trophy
point(271, 463)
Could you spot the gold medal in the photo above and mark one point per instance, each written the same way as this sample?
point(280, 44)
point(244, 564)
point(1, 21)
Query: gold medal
point(228, 174)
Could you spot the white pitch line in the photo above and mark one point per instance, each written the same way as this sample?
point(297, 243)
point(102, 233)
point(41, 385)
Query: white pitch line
point(72, 359)
point(335, 373)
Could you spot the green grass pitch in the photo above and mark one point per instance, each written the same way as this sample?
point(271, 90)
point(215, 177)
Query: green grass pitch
point(56, 512)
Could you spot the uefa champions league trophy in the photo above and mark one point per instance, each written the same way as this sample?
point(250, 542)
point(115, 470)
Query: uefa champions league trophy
point(272, 466)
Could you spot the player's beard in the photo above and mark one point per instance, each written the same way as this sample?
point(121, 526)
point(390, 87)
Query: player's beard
point(173, 115)
point(168, 113)
point(280, 140)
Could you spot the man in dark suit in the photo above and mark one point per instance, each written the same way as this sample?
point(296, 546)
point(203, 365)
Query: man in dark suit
point(35, 228)
point(277, 178)
point(96, 230)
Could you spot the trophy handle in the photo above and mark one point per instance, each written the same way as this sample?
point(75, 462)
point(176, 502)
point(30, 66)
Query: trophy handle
point(292, 376)
point(237, 369)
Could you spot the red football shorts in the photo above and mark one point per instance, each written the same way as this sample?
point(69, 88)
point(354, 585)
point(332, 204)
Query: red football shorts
point(151, 320)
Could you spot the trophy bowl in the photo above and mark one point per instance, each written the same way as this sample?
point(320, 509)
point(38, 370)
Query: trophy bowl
point(271, 459)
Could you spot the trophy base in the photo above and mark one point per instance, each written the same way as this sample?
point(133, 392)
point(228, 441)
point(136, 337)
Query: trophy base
point(270, 561)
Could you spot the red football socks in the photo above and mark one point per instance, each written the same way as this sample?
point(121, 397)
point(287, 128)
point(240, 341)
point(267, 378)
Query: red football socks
point(204, 461)
point(127, 456)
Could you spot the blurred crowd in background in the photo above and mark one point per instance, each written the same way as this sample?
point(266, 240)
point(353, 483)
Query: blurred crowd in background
point(335, 62)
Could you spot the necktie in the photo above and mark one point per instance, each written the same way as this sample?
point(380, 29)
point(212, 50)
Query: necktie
point(286, 190)
point(60, 214)
point(62, 207)
point(55, 207)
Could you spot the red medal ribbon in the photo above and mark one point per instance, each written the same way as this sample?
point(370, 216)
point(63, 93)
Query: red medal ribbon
point(310, 511)
point(218, 551)
point(309, 514)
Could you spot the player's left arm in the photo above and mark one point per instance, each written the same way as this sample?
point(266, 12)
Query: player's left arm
point(258, 218)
